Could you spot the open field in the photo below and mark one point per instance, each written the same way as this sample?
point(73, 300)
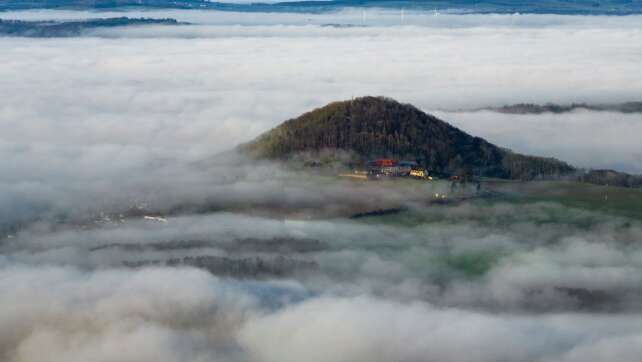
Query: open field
point(607, 199)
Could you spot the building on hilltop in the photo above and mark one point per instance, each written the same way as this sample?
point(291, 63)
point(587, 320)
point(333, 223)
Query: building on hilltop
point(405, 167)
point(383, 166)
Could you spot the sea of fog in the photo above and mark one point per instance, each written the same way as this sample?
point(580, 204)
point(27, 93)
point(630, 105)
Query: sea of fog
point(99, 130)
point(512, 281)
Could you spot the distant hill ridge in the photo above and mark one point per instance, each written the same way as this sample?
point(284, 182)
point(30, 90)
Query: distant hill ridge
point(373, 127)
point(53, 29)
point(529, 108)
point(595, 7)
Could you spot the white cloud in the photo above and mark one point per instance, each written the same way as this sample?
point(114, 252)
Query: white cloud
point(582, 138)
point(160, 314)
point(202, 89)
point(363, 329)
point(96, 123)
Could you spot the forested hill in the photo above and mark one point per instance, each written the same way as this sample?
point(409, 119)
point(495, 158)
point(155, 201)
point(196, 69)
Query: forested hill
point(373, 127)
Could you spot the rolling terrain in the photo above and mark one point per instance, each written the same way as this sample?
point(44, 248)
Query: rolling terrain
point(372, 127)
point(367, 128)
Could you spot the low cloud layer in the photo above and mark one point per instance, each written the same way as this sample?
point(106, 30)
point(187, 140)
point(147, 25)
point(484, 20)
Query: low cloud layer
point(62, 314)
point(497, 257)
point(205, 88)
point(99, 131)
point(583, 138)
point(93, 123)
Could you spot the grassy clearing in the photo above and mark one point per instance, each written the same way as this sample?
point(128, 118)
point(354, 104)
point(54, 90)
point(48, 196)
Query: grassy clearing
point(605, 199)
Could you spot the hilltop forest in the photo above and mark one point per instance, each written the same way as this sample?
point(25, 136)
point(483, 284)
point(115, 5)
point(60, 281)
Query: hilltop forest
point(372, 127)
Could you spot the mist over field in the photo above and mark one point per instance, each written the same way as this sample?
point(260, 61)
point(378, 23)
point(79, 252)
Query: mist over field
point(555, 282)
point(130, 229)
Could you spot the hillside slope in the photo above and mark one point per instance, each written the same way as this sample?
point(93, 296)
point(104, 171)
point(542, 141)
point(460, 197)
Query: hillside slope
point(375, 127)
